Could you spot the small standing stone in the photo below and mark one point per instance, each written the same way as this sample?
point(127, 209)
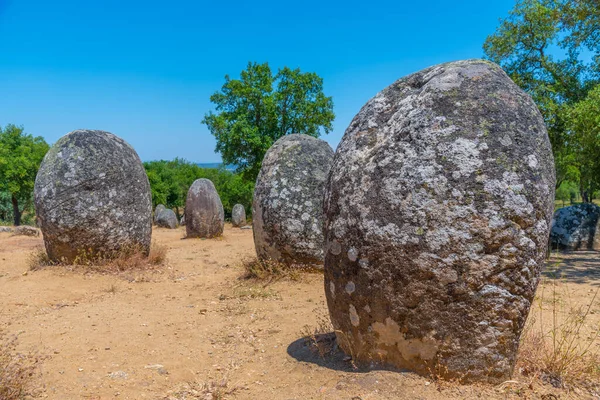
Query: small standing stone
point(238, 216)
point(576, 228)
point(166, 219)
point(159, 208)
point(204, 215)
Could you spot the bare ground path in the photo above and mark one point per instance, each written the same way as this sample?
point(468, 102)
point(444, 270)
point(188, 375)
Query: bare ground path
point(195, 328)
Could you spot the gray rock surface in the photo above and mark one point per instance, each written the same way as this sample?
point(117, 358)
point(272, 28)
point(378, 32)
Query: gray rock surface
point(204, 216)
point(576, 228)
point(5, 229)
point(159, 208)
point(438, 210)
point(238, 215)
point(287, 208)
point(182, 220)
point(166, 219)
point(24, 230)
point(92, 193)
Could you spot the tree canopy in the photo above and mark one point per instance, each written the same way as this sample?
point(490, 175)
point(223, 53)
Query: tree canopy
point(551, 48)
point(254, 111)
point(20, 157)
point(171, 180)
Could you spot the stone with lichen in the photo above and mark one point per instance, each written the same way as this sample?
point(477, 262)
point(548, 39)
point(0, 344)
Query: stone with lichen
point(92, 196)
point(238, 215)
point(166, 218)
point(159, 208)
point(576, 228)
point(287, 210)
point(204, 215)
point(438, 210)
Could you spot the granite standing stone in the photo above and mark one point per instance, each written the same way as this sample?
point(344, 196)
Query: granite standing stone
point(166, 219)
point(287, 209)
point(438, 210)
point(576, 228)
point(238, 215)
point(92, 196)
point(204, 216)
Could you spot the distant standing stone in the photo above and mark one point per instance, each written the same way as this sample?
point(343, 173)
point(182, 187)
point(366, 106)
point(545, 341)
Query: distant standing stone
point(438, 211)
point(182, 221)
point(204, 216)
point(92, 194)
point(287, 209)
point(5, 229)
point(576, 228)
point(166, 219)
point(238, 215)
point(159, 208)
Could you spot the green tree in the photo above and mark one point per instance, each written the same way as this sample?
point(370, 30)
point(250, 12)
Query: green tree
point(583, 124)
point(20, 157)
point(171, 180)
point(254, 111)
point(540, 46)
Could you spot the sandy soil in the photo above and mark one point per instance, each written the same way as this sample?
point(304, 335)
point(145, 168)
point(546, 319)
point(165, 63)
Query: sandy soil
point(149, 335)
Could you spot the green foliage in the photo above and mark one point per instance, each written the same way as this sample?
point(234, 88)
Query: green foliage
point(171, 180)
point(539, 45)
point(20, 157)
point(254, 111)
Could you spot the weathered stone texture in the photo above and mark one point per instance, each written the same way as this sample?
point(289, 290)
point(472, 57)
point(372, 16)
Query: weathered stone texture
point(159, 208)
point(238, 215)
point(437, 220)
point(204, 215)
point(24, 230)
point(166, 219)
point(287, 209)
point(92, 194)
point(576, 228)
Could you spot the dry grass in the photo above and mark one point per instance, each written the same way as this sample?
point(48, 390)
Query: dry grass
point(213, 390)
point(126, 259)
point(563, 351)
point(321, 337)
point(271, 270)
point(18, 371)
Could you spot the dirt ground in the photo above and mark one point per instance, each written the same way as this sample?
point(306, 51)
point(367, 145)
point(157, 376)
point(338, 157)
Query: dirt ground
point(196, 326)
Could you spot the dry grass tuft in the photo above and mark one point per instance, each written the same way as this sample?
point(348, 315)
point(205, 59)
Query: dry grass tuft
point(563, 351)
point(18, 372)
point(271, 271)
point(321, 338)
point(212, 390)
point(126, 259)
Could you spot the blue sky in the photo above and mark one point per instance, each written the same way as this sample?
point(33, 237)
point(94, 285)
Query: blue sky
point(144, 70)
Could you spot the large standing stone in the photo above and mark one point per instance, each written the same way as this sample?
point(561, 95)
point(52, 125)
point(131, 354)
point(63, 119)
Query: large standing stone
point(238, 215)
point(166, 219)
point(92, 194)
point(437, 220)
point(287, 209)
point(204, 216)
point(576, 228)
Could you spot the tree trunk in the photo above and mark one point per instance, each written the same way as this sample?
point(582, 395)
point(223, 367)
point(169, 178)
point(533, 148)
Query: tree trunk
point(16, 212)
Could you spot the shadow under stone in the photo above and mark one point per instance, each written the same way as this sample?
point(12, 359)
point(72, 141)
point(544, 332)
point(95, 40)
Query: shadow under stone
point(323, 351)
point(576, 267)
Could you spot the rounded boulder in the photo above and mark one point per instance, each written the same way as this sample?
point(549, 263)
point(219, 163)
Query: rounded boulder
point(287, 208)
point(166, 219)
point(204, 215)
point(438, 210)
point(92, 196)
point(238, 215)
point(576, 228)
point(159, 208)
